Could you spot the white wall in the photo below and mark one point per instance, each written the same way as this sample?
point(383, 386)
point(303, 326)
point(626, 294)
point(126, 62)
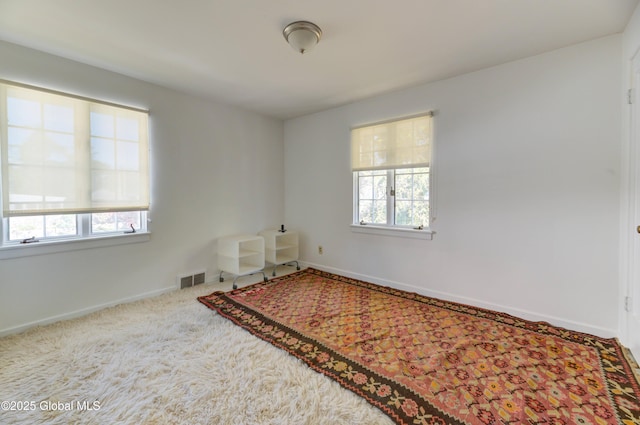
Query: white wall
point(528, 162)
point(628, 211)
point(216, 170)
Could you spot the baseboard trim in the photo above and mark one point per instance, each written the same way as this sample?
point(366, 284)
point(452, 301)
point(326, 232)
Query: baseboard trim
point(83, 312)
point(524, 314)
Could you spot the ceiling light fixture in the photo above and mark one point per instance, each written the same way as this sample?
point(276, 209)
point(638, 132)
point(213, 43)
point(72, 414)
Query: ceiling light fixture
point(302, 35)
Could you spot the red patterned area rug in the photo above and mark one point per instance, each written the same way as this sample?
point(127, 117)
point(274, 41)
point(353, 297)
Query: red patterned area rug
point(426, 361)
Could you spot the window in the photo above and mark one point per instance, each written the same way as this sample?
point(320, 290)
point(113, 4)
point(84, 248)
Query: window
point(391, 164)
point(42, 226)
point(72, 226)
point(71, 167)
point(116, 221)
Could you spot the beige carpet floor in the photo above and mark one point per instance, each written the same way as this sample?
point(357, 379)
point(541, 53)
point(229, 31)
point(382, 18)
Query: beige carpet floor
point(164, 360)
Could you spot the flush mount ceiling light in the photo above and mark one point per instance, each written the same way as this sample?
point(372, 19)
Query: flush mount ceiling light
point(302, 35)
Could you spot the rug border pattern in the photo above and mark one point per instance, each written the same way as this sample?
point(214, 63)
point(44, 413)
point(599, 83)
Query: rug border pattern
point(400, 403)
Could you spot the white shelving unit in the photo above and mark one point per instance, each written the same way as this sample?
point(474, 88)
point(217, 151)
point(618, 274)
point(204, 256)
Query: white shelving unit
point(241, 255)
point(280, 247)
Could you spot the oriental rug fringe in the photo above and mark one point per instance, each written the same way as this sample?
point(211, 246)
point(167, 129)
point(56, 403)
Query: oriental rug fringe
point(426, 361)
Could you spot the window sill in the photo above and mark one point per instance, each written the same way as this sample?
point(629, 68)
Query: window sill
point(54, 247)
point(399, 232)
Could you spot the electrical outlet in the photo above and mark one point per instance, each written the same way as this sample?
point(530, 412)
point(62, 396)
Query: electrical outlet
point(320, 250)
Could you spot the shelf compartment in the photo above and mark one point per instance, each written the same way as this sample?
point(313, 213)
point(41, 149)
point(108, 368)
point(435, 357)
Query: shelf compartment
point(241, 255)
point(281, 247)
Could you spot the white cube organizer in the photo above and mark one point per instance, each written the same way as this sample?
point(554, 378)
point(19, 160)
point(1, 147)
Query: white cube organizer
point(280, 247)
point(241, 255)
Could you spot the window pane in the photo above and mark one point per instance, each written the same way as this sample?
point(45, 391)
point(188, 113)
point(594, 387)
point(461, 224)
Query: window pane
point(128, 218)
point(58, 118)
point(60, 148)
point(365, 212)
point(403, 213)
point(421, 187)
point(115, 222)
point(380, 213)
point(420, 213)
point(23, 113)
point(373, 212)
point(101, 125)
point(60, 225)
point(404, 186)
point(23, 145)
point(412, 213)
point(104, 186)
point(372, 196)
point(127, 129)
point(103, 222)
point(25, 227)
point(102, 154)
point(128, 156)
point(128, 184)
point(365, 187)
point(380, 187)
point(412, 197)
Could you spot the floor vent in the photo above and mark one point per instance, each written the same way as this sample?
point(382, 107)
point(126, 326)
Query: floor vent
point(198, 278)
point(186, 281)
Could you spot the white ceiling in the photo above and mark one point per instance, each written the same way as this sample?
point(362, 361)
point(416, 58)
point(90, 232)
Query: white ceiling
point(233, 50)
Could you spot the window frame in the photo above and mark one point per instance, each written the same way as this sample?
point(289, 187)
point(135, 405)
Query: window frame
point(84, 229)
point(84, 238)
point(390, 228)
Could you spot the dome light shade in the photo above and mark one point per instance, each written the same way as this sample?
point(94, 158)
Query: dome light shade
point(302, 35)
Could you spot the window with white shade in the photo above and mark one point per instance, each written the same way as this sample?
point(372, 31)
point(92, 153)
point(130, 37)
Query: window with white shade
point(391, 163)
point(70, 166)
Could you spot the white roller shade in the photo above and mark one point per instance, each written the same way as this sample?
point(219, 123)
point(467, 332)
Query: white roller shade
point(395, 144)
point(69, 155)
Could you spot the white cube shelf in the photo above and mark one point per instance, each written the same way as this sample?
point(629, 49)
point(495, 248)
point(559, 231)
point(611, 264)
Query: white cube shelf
point(241, 255)
point(280, 247)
